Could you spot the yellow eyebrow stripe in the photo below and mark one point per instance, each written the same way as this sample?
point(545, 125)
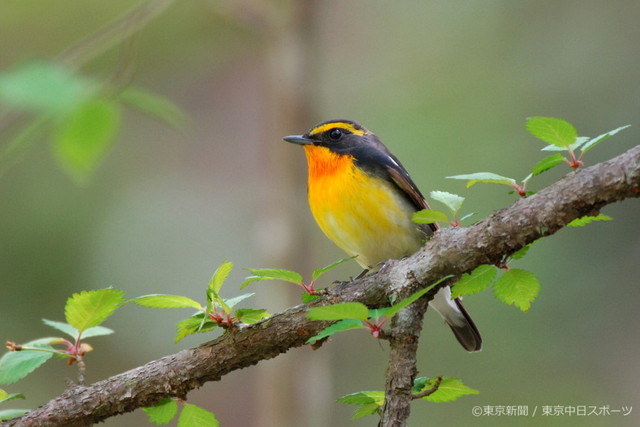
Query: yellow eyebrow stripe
point(342, 125)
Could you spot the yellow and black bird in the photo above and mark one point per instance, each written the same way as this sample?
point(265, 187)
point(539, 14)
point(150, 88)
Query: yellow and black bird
point(363, 200)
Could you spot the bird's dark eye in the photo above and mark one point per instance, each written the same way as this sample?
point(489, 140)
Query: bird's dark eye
point(335, 134)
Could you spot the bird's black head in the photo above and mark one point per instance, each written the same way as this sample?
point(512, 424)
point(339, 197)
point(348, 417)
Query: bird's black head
point(340, 136)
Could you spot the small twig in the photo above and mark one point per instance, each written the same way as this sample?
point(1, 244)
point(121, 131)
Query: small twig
point(429, 391)
point(82, 369)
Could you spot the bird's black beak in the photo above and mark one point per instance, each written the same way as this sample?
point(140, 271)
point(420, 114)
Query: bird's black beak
point(299, 139)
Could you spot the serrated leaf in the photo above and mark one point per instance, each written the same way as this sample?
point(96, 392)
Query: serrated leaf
point(450, 200)
point(366, 410)
point(307, 298)
point(429, 216)
point(476, 281)
point(598, 139)
point(8, 414)
point(214, 298)
point(5, 397)
point(582, 221)
point(394, 309)
point(162, 412)
point(231, 302)
point(62, 327)
point(251, 315)
point(370, 401)
point(579, 141)
point(449, 389)
point(155, 105)
point(344, 310)
point(96, 331)
point(319, 272)
point(342, 325)
point(90, 308)
point(193, 325)
point(362, 398)
point(517, 287)
point(15, 365)
point(192, 416)
point(84, 137)
point(552, 131)
point(220, 275)
point(271, 274)
point(547, 163)
point(485, 177)
point(519, 254)
point(44, 87)
point(166, 301)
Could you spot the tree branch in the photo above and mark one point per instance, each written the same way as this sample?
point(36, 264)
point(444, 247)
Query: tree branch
point(451, 251)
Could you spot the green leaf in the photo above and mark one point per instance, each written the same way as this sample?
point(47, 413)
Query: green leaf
point(96, 331)
point(485, 177)
point(231, 302)
point(214, 298)
point(517, 287)
point(429, 216)
point(307, 298)
point(366, 410)
point(155, 105)
point(90, 308)
point(370, 401)
point(251, 315)
point(195, 416)
point(220, 275)
point(84, 137)
point(44, 87)
point(554, 131)
point(63, 327)
point(362, 398)
point(193, 325)
point(411, 299)
point(166, 301)
point(579, 141)
point(5, 397)
point(73, 332)
point(377, 313)
point(582, 221)
point(342, 325)
point(8, 414)
point(519, 254)
point(548, 163)
point(15, 365)
point(450, 389)
point(271, 274)
point(598, 139)
point(344, 310)
point(162, 412)
point(450, 200)
point(474, 282)
point(319, 272)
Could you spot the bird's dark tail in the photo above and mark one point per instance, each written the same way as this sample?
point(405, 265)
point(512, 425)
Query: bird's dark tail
point(454, 313)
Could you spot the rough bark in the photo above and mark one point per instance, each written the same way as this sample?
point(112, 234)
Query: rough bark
point(451, 251)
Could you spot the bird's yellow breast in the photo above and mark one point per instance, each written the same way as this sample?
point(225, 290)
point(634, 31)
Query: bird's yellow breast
point(363, 214)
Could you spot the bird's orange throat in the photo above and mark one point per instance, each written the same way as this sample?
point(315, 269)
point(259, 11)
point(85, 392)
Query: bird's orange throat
point(323, 163)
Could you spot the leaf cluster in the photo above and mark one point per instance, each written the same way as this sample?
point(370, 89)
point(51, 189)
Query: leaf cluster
point(83, 114)
point(440, 389)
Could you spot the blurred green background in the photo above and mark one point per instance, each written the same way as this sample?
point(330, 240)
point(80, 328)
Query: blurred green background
point(447, 85)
